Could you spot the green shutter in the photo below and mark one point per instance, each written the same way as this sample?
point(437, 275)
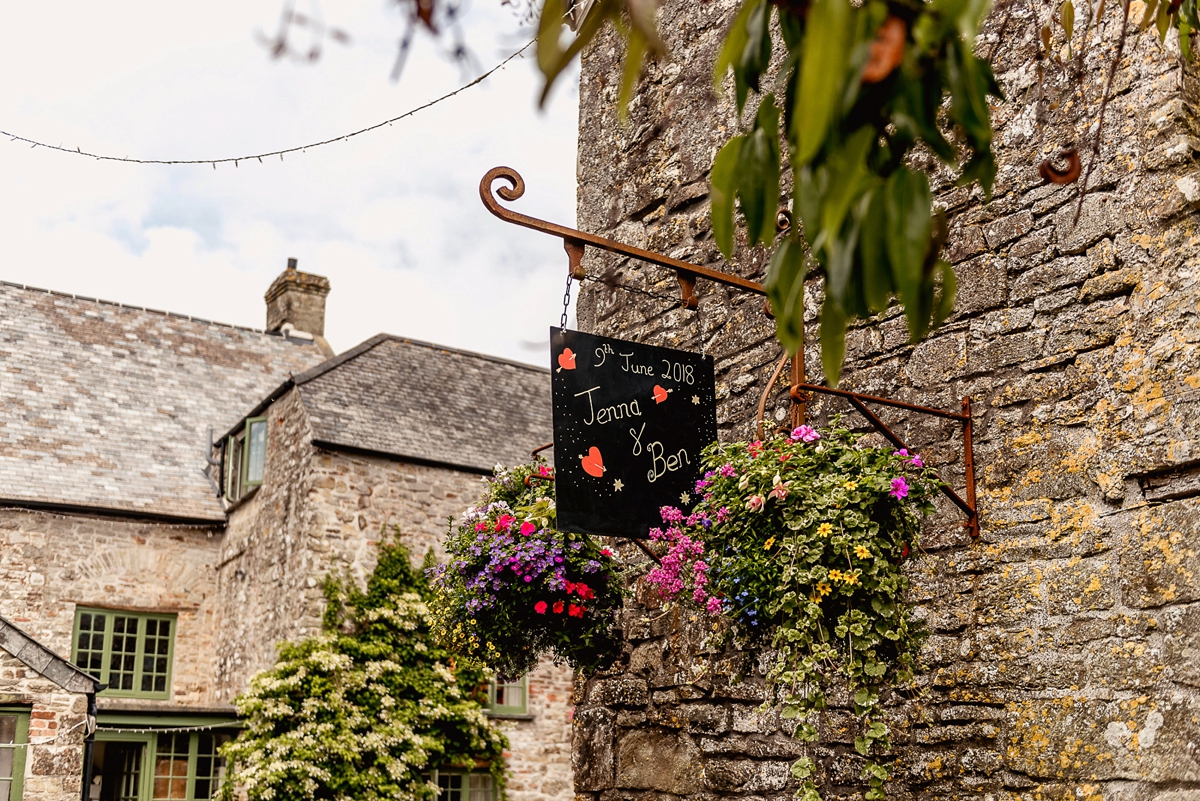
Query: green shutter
point(254, 449)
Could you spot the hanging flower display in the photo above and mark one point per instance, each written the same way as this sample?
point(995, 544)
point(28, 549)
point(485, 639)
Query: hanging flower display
point(514, 588)
point(797, 544)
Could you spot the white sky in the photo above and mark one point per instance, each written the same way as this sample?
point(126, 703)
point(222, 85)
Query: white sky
point(392, 218)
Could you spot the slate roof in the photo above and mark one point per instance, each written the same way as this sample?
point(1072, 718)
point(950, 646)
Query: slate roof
point(426, 403)
point(44, 661)
point(106, 406)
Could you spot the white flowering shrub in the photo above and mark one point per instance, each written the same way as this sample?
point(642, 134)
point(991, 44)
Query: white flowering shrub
point(365, 710)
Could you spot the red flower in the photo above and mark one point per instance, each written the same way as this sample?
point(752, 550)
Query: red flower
point(569, 586)
point(528, 528)
point(540, 607)
point(576, 611)
point(504, 523)
point(606, 552)
point(558, 607)
point(584, 591)
point(904, 553)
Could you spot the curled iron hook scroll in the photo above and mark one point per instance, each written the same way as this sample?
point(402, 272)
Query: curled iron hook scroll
point(575, 241)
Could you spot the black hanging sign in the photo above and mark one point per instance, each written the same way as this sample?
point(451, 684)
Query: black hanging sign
point(630, 421)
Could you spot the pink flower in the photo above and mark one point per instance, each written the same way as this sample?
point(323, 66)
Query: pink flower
point(755, 448)
point(481, 525)
point(913, 459)
point(528, 528)
point(728, 471)
point(755, 502)
point(670, 514)
point(504, 522)
point(543, 470)
point(805, 433)
point(722, 514)
point(540, 607)
point(916, 461)
point(899, 488)
point(779, 492)
point(713, 606)
point(605, 552)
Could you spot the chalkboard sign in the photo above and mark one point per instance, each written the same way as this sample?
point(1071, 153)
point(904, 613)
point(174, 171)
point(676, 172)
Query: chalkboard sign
point(630, 421)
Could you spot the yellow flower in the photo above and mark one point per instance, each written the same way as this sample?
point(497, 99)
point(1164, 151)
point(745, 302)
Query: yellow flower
point(835, 575)
point(851, 485)
point(862, 552)
point(850, 578)
point(767, 545)
point(824, 529)
point(824, 589)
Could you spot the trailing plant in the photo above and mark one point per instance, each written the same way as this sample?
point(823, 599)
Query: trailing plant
point(515, 588)
point(366, 709)
point(804, 538)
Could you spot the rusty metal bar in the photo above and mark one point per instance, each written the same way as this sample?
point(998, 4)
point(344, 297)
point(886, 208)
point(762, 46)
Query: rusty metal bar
point(685, 271)
point(646, 550)
point(912, 407)
point(969, 464)
point(541, 448)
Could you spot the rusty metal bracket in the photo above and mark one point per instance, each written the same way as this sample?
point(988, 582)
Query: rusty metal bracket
point(859, 401)
point(575, 241)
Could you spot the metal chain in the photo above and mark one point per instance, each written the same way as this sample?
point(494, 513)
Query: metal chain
point(566, 303)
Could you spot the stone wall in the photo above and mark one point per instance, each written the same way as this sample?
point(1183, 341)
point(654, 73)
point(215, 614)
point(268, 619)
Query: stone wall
point(51, 563)
point(540, 748)
point(57, 730)
point(1062, 661)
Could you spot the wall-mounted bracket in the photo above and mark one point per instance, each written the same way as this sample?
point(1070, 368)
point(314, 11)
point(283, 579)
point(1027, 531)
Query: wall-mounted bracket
point(800, 392)
point(575, 243)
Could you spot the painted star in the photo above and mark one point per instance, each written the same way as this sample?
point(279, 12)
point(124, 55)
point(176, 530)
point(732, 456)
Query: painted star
point(696, 400)
point(685, 499)
point(618, 485)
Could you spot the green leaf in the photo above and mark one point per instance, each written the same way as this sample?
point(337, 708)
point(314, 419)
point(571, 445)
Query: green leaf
point(872, 251)
point(876, 771)
point(827, 44)
point(833, 340)
point(874, 669)
point(802, 768)
point(722, 188)
point(735, 43)
point(908, 210)
point(785, 289)
point(945, 302)
point(1163, 20)
point(861, 744)
point(1066, 15)
point(758, 173)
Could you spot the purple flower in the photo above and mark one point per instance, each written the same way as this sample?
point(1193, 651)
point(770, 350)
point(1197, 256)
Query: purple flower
point(899, 488)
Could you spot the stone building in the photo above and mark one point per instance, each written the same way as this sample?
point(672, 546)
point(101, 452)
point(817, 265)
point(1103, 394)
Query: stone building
point(1065, 646)
point(172, 493)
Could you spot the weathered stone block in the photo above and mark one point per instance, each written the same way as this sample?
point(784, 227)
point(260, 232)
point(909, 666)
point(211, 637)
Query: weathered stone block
point(592, 749)
point(1158, 547)
point(982, 284)
point(652, 760)
point(1100, 217)
point(622, 691)
point(1007, 229)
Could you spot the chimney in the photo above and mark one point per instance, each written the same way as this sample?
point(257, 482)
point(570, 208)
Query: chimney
point(296, 302)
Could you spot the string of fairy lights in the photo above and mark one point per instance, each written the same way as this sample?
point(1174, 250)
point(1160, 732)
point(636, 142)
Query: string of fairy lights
point(236, 160)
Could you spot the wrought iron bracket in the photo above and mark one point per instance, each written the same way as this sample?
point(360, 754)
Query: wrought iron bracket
point(969, 506)
point(576, 241)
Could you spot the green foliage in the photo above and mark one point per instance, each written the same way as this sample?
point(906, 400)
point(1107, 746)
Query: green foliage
point(515, 588)
point(366, 708)
point(806, 537)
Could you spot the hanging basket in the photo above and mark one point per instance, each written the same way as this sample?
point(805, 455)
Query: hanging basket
point(515, 589)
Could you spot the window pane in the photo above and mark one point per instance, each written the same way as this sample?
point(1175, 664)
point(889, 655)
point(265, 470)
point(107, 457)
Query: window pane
point(89, 643)
point(122, 659)
point(171, 767)
point(233, 468)
point(481, 787)
point(8, 735)
point(210, 767)
point(258, 452)
point(129, 784)
point(450, 787)
point(155, 647)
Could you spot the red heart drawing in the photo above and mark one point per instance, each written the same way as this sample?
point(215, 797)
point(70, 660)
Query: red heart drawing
point(593, 465)
point(660, 394)
point(566, 360)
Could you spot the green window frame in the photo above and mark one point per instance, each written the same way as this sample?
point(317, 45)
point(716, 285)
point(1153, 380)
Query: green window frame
point(245, 458)
point(14, 742)
point(173, 766)
point(131, 652)
point(509, 697)
point(461, 785)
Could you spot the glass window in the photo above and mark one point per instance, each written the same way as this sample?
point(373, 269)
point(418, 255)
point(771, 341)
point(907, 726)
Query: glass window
point(453, 786)
point(129, 652)
point(245, 459)
point(508, 697)
point(14, 735)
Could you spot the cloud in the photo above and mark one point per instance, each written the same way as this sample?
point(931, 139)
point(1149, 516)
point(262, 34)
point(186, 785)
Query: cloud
point(393, 218)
